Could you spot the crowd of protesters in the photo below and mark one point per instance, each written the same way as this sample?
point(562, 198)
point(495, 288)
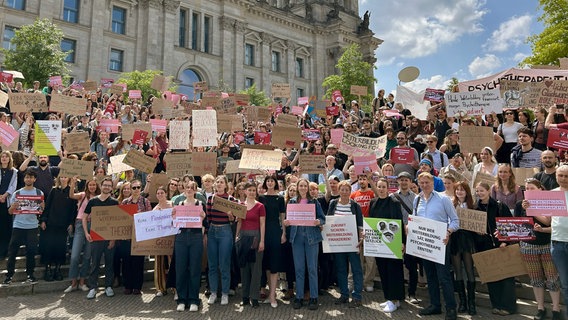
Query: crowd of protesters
point(258, 251)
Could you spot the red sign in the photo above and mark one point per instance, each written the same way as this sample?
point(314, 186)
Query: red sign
point(332, 110)
point(28, 204)
point(557, 138)
point(239, 137)
point(515, 229)
point(139, 137)
point(402, 155)
point(261, 137)
point(6, 77)
point(311, 134)
point(436, 95)
point(106, 82)
point(337, 97)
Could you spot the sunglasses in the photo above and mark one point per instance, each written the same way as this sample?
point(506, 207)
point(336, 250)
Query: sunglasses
point(174, 184)
point(509, 114)
point(317, 144)
point(400, 138)
point(136, 187)
point(430, 141)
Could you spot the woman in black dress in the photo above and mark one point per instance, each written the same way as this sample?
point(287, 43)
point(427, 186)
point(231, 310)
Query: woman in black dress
point(273, 261)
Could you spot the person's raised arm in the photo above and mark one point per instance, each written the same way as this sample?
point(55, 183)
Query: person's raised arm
point(24, 166)
point(549, 123)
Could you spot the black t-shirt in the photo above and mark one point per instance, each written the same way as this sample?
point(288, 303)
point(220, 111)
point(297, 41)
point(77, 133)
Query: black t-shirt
point(548, 181)
point(97, 202)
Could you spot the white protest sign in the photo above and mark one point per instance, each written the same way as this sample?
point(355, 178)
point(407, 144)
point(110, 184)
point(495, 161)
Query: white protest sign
point(474, 103)
point(154, 224)
point(179, 134)
point(425, 239)
point(340, 234)
point(359, 146)
point(204, 128)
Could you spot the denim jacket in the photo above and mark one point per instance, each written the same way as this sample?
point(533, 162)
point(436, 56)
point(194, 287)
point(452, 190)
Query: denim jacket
point(313, 233)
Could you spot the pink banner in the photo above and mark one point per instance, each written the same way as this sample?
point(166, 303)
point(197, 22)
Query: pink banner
point(108, 125)
point(188, 216)
point(159, 125)
point(7, 133)
point(558, 138)
point(134, 94)
point(402, 155)
point(301, 214)
point(547, 203)
point(365, 164)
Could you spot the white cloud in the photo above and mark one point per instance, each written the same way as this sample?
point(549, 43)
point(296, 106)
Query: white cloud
point(435, 82)
point(484, 66)
point(519, 56)
point(510, 33)
point(419, 29)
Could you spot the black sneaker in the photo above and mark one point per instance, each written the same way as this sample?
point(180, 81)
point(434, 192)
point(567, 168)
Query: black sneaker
point(342, 300)
point(313, 304)
point(297, 303)
point(31, 279)
point(557, 315)
point(355, 303)
point(540, 314)
point(8, 280)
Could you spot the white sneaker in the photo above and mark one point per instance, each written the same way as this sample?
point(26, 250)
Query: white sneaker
point(384, 304)
point(159, 294)
point(369, 289)
point(390, 307)
point(180, 307)
point(176, 297)
point(92, 293)
point(193, 308)
point(224, 299)
point(70, 289)
point(212, 298)
point(274, 304)
point(84, 287)
point(109, 292)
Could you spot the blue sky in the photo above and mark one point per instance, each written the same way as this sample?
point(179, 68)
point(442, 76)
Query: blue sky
point(466, 39)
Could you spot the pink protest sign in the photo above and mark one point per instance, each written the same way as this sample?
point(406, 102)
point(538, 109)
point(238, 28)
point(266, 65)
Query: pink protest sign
point(336, 136)
point(55, 80)
point(188, 216)
point(302, 101)
point(106, 82)
point(7, 134)
point(108, 125)
point(296, 110)
point(365, 164)
point(134, 94)
point(402, 155)
point(547, 203)
point(336, 96)
point(159, 125)
point(301, 214)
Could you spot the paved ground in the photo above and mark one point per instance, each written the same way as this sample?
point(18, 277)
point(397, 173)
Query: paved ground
point(147, 306)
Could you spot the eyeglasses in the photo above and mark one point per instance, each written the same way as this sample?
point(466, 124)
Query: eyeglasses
point(509, 113)
point(399, 138)
point(106, 186)
point(136, 187)
point(317, 144)
point(430, 141)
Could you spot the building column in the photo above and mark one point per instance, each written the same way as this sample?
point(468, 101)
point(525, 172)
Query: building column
point(170, 36)
point(291, 67)
point(97, 61)
point(228, 51)
point(238, 81)
point(265, 59)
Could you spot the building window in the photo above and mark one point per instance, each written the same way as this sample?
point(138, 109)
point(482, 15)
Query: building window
point(194, 31)
point(249, 82)
point(275, 61)
point(299, 67)
point(187, 78)
point(9, 33)
point(118, 20)
point(68, 45)
point(249, 54)
point(182, 27)
point(16, 4)
point(71, 11)
point(206, 33)
point(299, 92)
point(116, 60)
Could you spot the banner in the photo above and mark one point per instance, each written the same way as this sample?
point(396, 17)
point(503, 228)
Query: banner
point(188, 216)
point(24, 102)
point(547, 203)
point(523, 75)
point(260, 159)
point(435, 95)
point(7, 133)
point(225, 205)
point(515, 229)
point(365, 164)
point(204, 128)
point(71, 168)
point(500, 263)
point(475, 138)
point(402, 155)
point(309, 163)
point(472, 220)
point(359, 146)
point(557, 138)
point(67, 104)
point(47, 140)
point(180, 133)
point(383, 238)
point(154, 224)
point(140, 161)
point(340, 234)
point(474, 103)
point(301, 214)
point(112, 222)
point(425, 239)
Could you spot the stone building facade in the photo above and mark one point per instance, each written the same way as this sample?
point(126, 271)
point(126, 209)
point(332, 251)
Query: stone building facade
point(234, 42)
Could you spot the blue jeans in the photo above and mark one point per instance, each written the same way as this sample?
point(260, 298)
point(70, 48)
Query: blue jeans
point(342, 261)
point(80, 244)
point(219, 248)
point(304, 253)
point(438, 275)
point(188, 251)
point(559, 251)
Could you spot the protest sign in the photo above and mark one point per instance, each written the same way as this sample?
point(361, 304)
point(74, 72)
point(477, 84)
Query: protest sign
point(204, 162)
point(303, 101)
point(67, 104)
point(155, 247)
point(71, 168)
point(229, 123)
point(553, 92)
point(6, 77)
point(280, 90)
point(557, 138)
point(383, 238)
point(402, 155)
point(337, 97)
point(154, 224)
point(320, 108)
point(314, 164)
point(178, 164)
point(3, 98)
point(365, 164)
point(158, 125)
point(515, 229)
point(261, 137)
point(524, 75)
point(547, 203)
point(7, 133)
point(47, 138)
point(435, 95)
point(29, 204)
point(287, 120)
point(116, 89)
point(500, 263)
point(286, 137)
point(301, 214)
point(263, 113)
point(90, 85)
point(128, 129)
point(475, 138)
point(336, 136)
point(225, 205)
point(232, 166)
point(358, 90)
point(180, 132)
point(106, 82)
point(108, 125)
point(201, 86)
point(117, 166)
point(134, 94)
point(188, 216)
point(204, 128)
point(260, 159)
point(297, 110)
point(242, 99)
point(359, 146)
point(160, 83)
point(483, 177)
point(518, 94)
point(24, 102)
point(112, 222)
point(140, 161)
point(340, 234)
point(474, 103)
point(211, 99)
point(426, 239)
point(158, 180)
point(159, 105)
point(472, 220)
point(413, 101)
point(522, 174)
point(227, 105)
point(391, 181)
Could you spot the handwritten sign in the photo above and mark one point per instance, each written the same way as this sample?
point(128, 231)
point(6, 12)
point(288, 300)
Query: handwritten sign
point(178, 164)
point(116, 89)
point(402, 155)
point(224, 205)
point(112, 222)
point(159, 105)
point(71, 168)
point(158, 180)
point(547, 203)
point(475, 138)
point(359, 90)
point(24, 102)
point(500, 263)
point(518, 94)
point(474, 103)
point(201, 86)
point(140, 161)
point(425, 239)
point(232, 166)
point(204, 128)
point(383, 238)
point(359, 146)
point(483, 177)
point(336, 136)
point(553, 92)
point(286, 137)
point(188, 216)
point(312, 163)
point(287, 120)
point(260, 159)
point(472, 220)
point(160, 83)
point(67, 104)
point(229, 123)
point(180, 131)
point(280, 90)
point(90, 85)
point(154, 224)
point(156, 247)
point(340, 234)
point(117, 165)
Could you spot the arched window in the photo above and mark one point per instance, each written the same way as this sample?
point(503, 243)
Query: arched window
point(187, 78)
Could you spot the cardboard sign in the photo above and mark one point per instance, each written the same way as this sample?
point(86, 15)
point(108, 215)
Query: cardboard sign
point(242, 99)
point(158, 125)
point(108, 125)
point(515, 229)
point(340, 234)
point(159, 105)
point(232, 166)
point(154, 224)
point(116, 89)
point(140, 161)
point(474, 103)
point(158, 179)
point(112, 222)
point(24, 102)
point(3, 98)
point(178, 164)
point(227, 106)
point(402, 155)
point(155, 247)
point(522, 174)
point(7, 133)
point(553, 92)
point(263, 113)
point(67, 104)
point(314, 164)
point(225, 205)
point(436, 95)
point(188, 216)
point(547, 203)
point(204, 128)
point(472, 220)
point(360, 146)
point(425, 239)
point(180, 132)
point(365, 164)
point(160, 83)
point(229, 123)
point(201, 86)
point(211, 99)
point(287, 120)
point(297, 110)
point(128, 129)
point(77, 142)
point(117, 165)
point(280, 90)
point(383, 238)
point(204, 162)
point(260, 159)
point(500, 263)
point(286, 137)
point(475, 138)
point(90, 85)
point(71, 168)
point(301, 214)
point(557, 138)
point(483, 177)
point(47, 138)
point(29, 204)
point(359, 90)
point(518, 94)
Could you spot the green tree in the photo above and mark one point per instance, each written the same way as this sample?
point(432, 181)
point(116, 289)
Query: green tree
point(258, 98)
point(37, 53)
point(453, 84)
point(142, 80)
point(353, 70)
point(552, 42)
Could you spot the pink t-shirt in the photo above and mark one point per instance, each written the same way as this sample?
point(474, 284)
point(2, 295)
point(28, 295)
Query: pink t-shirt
point(252, 222)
